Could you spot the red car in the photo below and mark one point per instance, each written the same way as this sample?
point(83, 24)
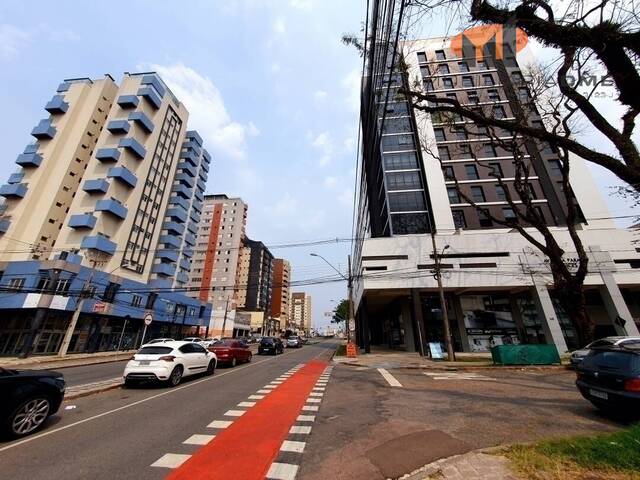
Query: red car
point(231, 352)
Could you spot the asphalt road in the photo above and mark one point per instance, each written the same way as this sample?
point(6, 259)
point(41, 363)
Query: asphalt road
point(92, 373)
point(120, 433)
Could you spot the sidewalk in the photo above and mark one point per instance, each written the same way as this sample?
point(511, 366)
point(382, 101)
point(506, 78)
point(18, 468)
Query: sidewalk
point(43, 362)
point(390, 359)
point(469, 466)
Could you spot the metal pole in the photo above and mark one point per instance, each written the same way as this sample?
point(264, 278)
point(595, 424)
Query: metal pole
point(351, 313)
point(144, 333)
point(76, 315)
point(443, 305)
point(122, 335)
point(224, 322)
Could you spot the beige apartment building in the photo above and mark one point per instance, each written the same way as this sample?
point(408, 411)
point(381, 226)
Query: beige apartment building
point(280, 290)
point(300, 317)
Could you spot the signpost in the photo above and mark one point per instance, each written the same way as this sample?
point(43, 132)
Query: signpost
point(148, 318)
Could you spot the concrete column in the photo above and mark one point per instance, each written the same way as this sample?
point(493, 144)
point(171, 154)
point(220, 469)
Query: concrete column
point(517, 317)
point(419, 322)
point(407, 321)
point(616, 306)
point(366, 328)
point(550, 323)
point(462, 328)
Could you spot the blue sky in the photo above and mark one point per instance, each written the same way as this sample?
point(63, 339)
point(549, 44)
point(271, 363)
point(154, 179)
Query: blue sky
point(268, 84)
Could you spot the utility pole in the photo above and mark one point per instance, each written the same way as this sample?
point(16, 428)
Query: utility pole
point(350, 291)
point(443, 306)
point(224, 322)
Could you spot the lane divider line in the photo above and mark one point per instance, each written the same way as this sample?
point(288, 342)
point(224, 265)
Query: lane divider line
point(198, 439)
point(391, 380)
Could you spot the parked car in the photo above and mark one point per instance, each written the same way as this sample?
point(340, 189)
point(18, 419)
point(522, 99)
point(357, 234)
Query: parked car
point(294, 342)
point(578, 355)
point(169, 362)
point(304, 340)
point(231, 351)
point(207, 342)
point(28, 398)
point(159, 340)
point(609, 377)
point(270, 345)
point(195, 340)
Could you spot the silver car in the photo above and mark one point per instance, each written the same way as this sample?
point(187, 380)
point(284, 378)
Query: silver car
point(293, 342)
point(578, 355)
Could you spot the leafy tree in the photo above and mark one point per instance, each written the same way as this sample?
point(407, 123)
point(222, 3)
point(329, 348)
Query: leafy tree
point(341, 313)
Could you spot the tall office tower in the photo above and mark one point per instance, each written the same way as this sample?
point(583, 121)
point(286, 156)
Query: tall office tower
point(408, 192)
point(214, 267)
point(259, 281)
point(108, 196)
point(300, 317)
point(280, 290)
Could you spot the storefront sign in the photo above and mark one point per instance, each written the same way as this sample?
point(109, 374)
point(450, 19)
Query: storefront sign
point(436, 350)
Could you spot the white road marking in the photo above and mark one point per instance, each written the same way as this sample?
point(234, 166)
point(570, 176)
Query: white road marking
point(291, 446)
point(316, 394)
point(246, 404)
point(456, 376)
point(199, 439)
point(391, 380)
point(263, 391)
point(275, 382)
point(235, 413)
point(304, 429)
point(306, 418)
point(319, 389)
point(255, 397)
point(282, 471)
point(171, 460)
point(314, 400)
point(219, 424)
point(310, 408)
point(269, 387)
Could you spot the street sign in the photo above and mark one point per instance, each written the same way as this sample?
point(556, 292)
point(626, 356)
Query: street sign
point(148, 318)
point(99, 307)
point(352, 325)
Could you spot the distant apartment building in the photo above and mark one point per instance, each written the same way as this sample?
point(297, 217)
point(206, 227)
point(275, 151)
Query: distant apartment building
point(300, 317)
point(280, 290)
point(216, 260)
point(113, 183)
point(259, 278)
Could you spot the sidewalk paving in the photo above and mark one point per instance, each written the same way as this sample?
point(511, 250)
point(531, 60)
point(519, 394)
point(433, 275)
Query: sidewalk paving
point(43, 362)
point(469, 466)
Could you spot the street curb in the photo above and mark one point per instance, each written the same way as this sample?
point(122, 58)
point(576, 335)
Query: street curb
point(86, 393)
point(464, 367)
point(52, 366)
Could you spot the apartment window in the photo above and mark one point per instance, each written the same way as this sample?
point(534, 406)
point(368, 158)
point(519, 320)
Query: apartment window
point(482, 65)
point(493, 95)
point(517, 77)
point(16, 283)
point(439, 133)
point(458, 219)
point(440, 55)
point(406, 202)
point(443, 69)
point(428, 85)
point(43, 283)
point(447, 83)
point(496, 170)
point(472, 96)
point(499, 111)
point(400, 161)
point(531, 191)
point(484, 219)
point(136, 300)
point(403, 181)
point(110, 292)
point(463, 66)
point(500, 193)
point(465, 149)
point(467, 82)
point(547, 150)
point(454, 197)
point(540, 212)
point(448, 172)
point(460, 133)
point(422, 57)
point(443, 153)
point(487, 79)
point(523, 94)
point(477, 194)
point(472, 172)
point(509, 214)
point(489, 150)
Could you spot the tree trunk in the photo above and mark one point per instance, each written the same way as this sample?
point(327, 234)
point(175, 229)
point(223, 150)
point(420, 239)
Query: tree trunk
point(574, 304)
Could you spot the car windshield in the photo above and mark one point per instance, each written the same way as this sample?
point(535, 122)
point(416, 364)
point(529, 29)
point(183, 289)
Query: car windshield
point(154, 350)
point(293, 338)
point(267, 341)
point(600, 343)
point(621, 361)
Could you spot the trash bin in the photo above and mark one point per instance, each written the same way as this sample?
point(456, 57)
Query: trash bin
point(525, 354)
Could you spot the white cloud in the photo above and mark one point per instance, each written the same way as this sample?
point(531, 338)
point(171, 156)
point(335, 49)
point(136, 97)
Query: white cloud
point(319, 97)
point(253, 130)
point(207, 111)
point(351, 82)
point(279, 26)
point(12, 40)
point(286, 206)
point(346, 198)
point(324, 144)
point(330, 182)
point(302, 4)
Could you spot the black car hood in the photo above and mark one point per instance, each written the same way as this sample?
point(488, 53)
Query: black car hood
point(29, 373)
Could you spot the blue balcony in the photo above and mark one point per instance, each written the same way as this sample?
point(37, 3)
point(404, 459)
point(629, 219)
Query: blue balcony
point(108, 154)
point(99, 243)
point(207, 158)
point(152, 97)
point(128, 101)
point(193, 146)
point(182, 191)
point(192, 227)
point(197, 206)
point(133, 146)
point(5, 223)
point(171, 255)
point(63, 87)
point(155, 81)
point(170, 241)
point(85, 220)
point(205, 165)
point(202, 186)
point(185, 179)
point(195, 216)
point(56, 105)
point(29, 160)
point(141, 119)
point(193, 135)
point(190, 239)
point(13, 190)
point(124, 175)
point(185, 264)
point(166, 269)
point(111, 206)
point(188, 168)
point(203, 174)
point(16, 177)
point(99, 185)
point(44, 130)
point(118, 126)
point(199, 195)
point(190, 157)
point(179, 201)
point(173, 228)
point(187, 252)
point(177, 214)
point(182, 277)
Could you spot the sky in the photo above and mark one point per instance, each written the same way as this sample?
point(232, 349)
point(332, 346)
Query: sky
point(268, 84)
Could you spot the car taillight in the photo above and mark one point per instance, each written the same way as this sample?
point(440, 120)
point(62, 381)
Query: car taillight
point(167, 358)
point(632, 385)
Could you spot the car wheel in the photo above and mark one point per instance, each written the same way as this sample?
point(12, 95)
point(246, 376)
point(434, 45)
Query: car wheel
point(175, 377)
point(233, 362)
point(129, 383)
point(29, 416)
point(249, 357)
point(211, 367)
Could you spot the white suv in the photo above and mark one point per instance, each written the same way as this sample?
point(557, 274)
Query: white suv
point(169, 362)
